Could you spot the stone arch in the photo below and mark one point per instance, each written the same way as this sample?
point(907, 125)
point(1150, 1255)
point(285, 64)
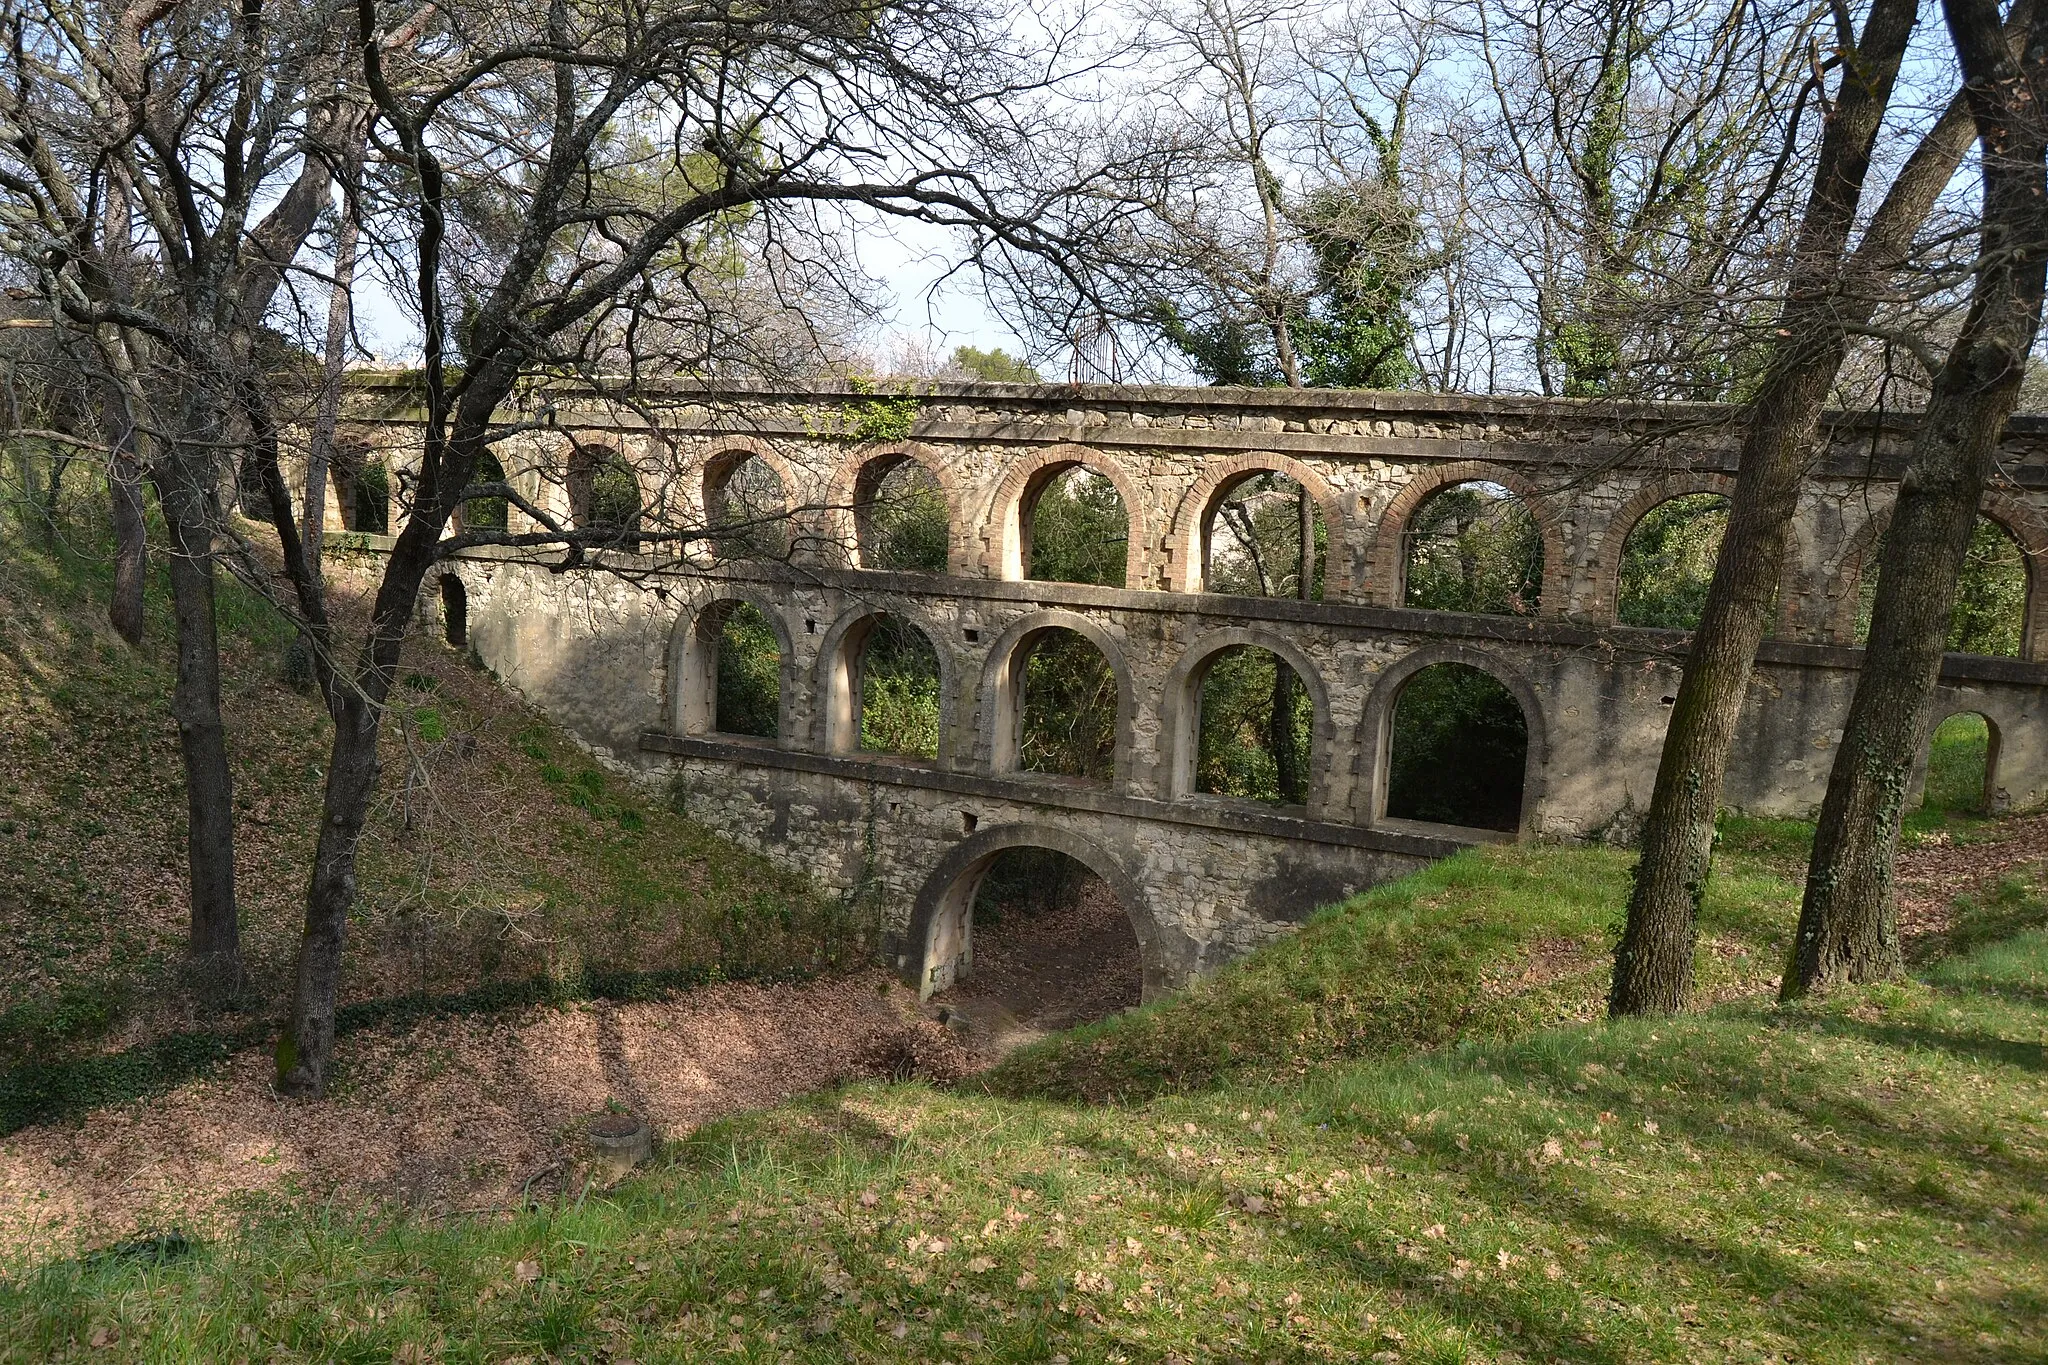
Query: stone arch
point(727, 454)
point(854, 482)
point(1181, 704)
point(1386, 580)
point(1949, 703)
point(454, 611)
point(693, 664)
point(1603, 602)
point(1375, 731)
point(1005, 533)
point(836, 690)
point(1184, 546)
point(939, 940)
point(1000, 715)
point(2018, 519)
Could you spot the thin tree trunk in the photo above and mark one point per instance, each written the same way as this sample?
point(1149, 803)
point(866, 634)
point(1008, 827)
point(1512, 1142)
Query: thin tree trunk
point(321, 448)
point(1653, 963)
point(125, 512)
point(215, 945)
point(1848, 923)
point(1280, 736)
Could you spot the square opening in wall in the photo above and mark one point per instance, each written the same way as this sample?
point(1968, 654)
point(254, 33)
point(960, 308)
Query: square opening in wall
point(968, 820)
point(973, 635)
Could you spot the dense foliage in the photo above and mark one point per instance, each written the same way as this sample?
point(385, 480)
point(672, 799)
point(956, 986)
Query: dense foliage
point(1460, 744)
point(904, 527)
point(1256, 729)
point(1079, 531)
point(1474, 547)
point(899, 690)
point(749, 673)
point(1069, 708)
point(1667, 563)
point(1990, 614)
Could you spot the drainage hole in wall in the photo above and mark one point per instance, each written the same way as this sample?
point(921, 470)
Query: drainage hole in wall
point(968, 820)
point(1667, 701)
point(973, 635)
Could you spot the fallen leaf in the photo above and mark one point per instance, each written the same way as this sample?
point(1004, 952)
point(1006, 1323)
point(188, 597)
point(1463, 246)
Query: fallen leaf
point(526, 1272)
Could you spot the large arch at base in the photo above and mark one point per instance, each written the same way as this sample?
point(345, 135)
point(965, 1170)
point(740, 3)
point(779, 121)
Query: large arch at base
point(940, 938)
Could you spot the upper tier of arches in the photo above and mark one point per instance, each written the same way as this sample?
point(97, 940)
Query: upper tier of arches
point(973, 510)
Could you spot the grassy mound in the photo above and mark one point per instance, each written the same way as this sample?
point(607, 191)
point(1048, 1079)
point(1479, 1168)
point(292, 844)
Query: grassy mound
point(1857, 1180)
point(501, 863)
point(1488, 944)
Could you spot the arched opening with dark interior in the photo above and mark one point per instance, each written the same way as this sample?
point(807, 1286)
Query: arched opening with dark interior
point(454, 611)
point(485, 514)
point(1029, 942)
point(1962, 766)
point(1062, 710)
point(885, 690)
point(362, 489)
point(1255, 729)
point(900, 518)
point(1473, 547)
point(1667, 562)
point(604, 493)
point(1990, 612)
point(1457, 750)
point(748, 508)
point(1253, 536)
point(1076, 528)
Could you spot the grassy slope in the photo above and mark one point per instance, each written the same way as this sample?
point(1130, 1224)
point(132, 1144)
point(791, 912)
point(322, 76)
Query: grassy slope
point(1861, 1179)
point(500, 855)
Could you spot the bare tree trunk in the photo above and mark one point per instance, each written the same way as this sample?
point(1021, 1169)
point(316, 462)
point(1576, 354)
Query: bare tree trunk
point(1653, 965)
point(1280, 736)
point(1848, 923)
point(125, 512)
point(339, 309)
point(215, 945)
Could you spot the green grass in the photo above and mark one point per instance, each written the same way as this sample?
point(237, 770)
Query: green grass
point(1487, 944)
point(1859, 1179)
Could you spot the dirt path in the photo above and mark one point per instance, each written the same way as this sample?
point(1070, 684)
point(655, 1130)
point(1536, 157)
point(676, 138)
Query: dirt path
point(451, 1114)
point(1935, 871)
point(1037, 972)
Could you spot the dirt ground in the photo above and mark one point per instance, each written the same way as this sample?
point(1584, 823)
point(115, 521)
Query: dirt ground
point(1931, 874)
point(1037, 972)
point(458, 1114)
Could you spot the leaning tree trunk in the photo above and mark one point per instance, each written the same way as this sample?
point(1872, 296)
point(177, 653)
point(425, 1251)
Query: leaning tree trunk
point(195, 704)
point(320, 450)
point(125, 512)
point(1653, 963)
point(1848, 922)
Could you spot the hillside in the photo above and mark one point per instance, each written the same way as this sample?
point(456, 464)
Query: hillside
point(501, 865)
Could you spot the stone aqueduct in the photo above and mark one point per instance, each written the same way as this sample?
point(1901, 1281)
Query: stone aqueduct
point(623, 663)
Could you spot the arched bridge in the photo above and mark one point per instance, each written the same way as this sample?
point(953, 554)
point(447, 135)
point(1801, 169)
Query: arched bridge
point(630, 663)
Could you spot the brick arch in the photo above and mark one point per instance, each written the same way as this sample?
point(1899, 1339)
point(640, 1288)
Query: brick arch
point(1376, 728)
point(2018, 519)
point(1604, 575)
point(1000, 713)
point(1386, 581)
point(1181, 703)
point(693, 674)
point(1184, 557)
point(1003, 531)
point(939, 940)
point(843, 496)
point(836, 686)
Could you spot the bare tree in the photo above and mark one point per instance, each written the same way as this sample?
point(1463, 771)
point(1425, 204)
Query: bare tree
point(562, 174)
point(1848, 924)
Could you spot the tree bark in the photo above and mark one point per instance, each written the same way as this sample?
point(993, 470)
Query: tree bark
point(1848, 923)
point(1653, 963)
point(125, 512)
point(339, 311)
point(215, 945)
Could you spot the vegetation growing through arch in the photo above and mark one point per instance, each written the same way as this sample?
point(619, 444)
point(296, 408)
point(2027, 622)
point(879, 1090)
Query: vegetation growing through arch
point(749, 511)
point(1960, 766)
point(1256, 728)
point(1080, 530)
point(1253, 540)
point(899, 690)
point(1667, 562)
point(1068, 708)
point(486, 514)
point(903, 524)
point(1458, 750)
point(748, 697)
point(1990, 613)
point(1473, 547)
